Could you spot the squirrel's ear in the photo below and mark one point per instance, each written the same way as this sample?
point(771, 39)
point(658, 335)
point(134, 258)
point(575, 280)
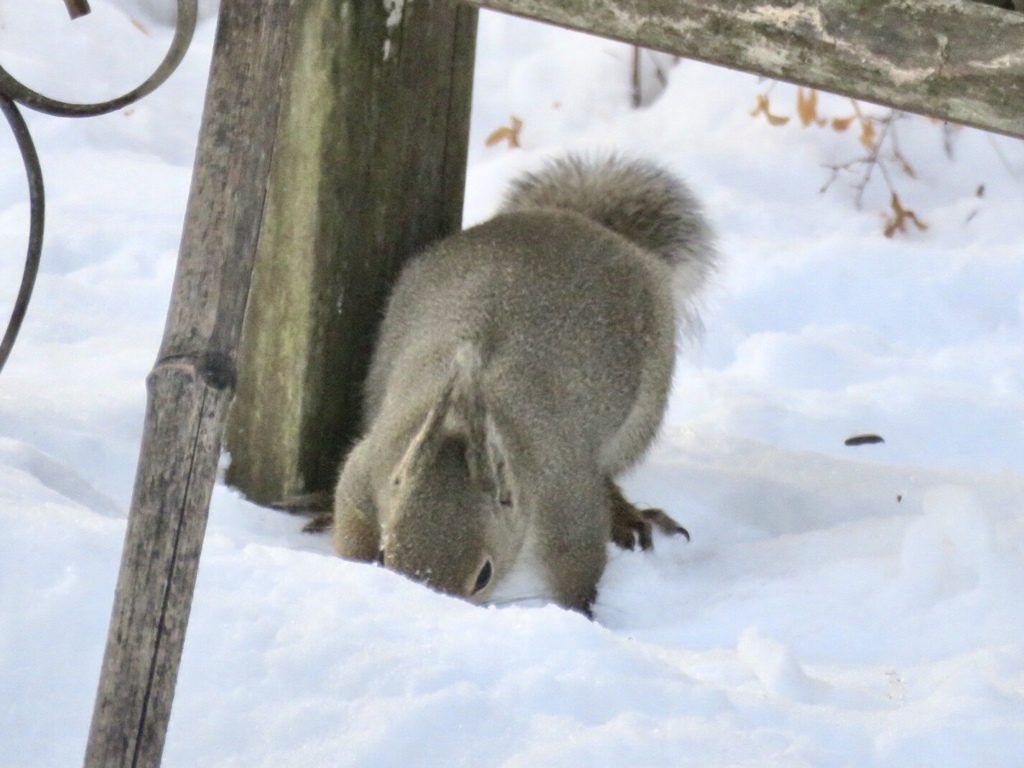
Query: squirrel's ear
point(427, 442)
point(486, 451)
point(500, 468)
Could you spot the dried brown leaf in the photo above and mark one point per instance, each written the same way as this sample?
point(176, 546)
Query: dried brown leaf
point(807, 107)
point(141, 27)
point(867, 133)
point(900, 217)
point(842, 123)
point(764, 108)
point(509, 133)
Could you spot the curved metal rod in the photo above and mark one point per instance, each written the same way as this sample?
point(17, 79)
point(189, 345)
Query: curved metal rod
point(12, 91)
point(183, 31)
point(35, 237)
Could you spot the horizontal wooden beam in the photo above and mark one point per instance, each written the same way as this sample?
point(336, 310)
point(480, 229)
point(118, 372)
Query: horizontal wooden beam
point(951, 59)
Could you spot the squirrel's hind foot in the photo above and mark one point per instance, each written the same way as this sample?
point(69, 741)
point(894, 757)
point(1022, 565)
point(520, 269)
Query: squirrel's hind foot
point(324, 521)
point(632, 525)
point(317, 506)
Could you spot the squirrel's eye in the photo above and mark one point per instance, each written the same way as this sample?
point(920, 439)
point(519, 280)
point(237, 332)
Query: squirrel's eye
point(483, 578)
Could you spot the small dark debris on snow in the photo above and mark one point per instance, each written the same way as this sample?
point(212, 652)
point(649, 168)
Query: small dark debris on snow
point(864, 440)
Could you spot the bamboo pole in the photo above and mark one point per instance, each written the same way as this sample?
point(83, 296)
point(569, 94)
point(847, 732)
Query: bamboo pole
point(190, 388)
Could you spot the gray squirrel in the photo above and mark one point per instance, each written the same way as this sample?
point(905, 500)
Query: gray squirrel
point(521, 366)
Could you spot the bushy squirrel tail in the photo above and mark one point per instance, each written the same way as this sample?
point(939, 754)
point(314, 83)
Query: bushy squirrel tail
point(632, 197)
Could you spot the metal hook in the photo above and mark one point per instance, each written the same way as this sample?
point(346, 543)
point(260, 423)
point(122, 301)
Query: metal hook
point(35, 238)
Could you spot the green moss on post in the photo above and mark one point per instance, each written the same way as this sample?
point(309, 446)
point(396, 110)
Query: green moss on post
point(368, 167)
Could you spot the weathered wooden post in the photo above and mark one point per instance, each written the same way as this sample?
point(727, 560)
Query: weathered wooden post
point(190, 387)
point(369, 166)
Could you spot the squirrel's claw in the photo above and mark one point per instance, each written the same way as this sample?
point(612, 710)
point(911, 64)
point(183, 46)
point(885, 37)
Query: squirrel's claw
point(324, 521)
point(317, 506)
point(627, 532)
point(665, 523)
point(632, 525)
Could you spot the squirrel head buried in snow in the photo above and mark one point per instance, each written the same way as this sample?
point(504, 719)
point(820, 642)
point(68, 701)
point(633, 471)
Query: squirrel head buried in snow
point(451, 520)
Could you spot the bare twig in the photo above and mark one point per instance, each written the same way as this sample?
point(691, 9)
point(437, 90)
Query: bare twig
point(897, 153)
point(659, 71)
point(637, 86)
point(999, 152)
point(833, 177)
point(948, 132)
point(874, 157)
point(77, 8)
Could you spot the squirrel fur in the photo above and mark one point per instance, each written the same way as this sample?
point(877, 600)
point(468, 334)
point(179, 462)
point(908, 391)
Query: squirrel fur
point(521, 365)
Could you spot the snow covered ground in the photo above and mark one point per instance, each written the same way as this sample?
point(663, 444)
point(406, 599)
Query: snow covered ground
point(839, 606)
